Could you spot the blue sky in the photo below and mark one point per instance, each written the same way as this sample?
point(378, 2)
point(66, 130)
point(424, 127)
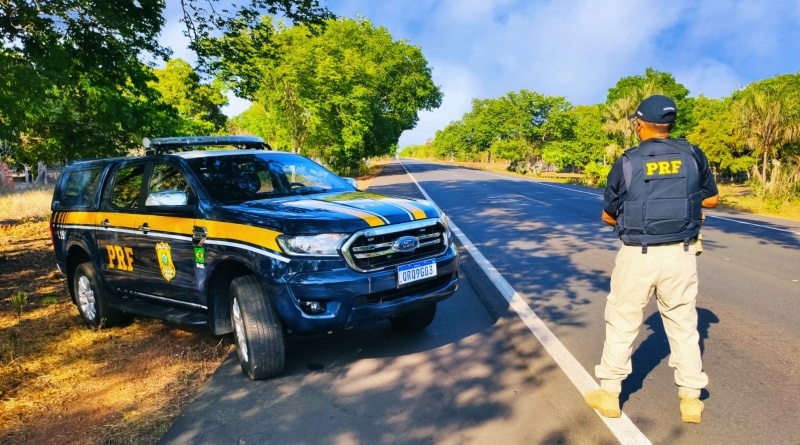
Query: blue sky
point(577, 49)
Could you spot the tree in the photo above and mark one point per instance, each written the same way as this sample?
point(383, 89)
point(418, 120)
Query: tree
point(57, 51)
point(581, 139)
point(197, 105)
point(716, 133)
point(340, 93)
point(769, 113)
point(73, 83)
point(626, 95)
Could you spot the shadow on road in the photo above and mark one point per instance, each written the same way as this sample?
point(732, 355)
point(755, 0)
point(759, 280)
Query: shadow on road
point(655, 348)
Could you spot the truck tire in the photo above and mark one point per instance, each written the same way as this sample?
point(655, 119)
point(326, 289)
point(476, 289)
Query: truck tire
point(91, 297)
point(415, 320)
point(257, 329)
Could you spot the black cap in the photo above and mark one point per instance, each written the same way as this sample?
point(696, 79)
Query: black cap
point(657, 109)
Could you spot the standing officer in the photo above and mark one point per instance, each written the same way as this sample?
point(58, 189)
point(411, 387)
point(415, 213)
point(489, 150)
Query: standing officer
point(653, 199)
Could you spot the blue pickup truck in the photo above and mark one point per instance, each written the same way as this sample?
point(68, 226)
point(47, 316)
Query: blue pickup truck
point(222, 231)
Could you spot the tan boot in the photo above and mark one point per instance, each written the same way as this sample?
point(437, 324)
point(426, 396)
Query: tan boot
point(691, 410)
point(607, 403)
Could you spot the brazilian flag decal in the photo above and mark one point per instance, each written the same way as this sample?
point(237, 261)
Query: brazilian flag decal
point(199, 255)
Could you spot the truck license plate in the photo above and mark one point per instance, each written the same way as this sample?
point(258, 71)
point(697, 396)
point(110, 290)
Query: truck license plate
point(408, 273)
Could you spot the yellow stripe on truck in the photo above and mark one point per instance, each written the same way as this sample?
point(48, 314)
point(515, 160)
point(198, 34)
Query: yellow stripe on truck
point(416, 211)
point(127, 220)
point(173, 224)
point(241, 232)
point(369, 218)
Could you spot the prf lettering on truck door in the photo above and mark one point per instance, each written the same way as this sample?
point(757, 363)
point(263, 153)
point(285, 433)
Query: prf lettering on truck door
point(120, 257)
point(663, 168)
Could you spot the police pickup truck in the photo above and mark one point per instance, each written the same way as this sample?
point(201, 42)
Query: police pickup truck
point(247, 240)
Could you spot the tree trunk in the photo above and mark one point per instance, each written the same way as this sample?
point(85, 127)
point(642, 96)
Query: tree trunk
point(42, 176)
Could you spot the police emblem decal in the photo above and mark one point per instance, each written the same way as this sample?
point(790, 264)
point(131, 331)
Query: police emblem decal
point(164, 255)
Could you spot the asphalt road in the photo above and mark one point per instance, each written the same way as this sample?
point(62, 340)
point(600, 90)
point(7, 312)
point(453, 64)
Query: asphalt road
point(548, 242)
point(496, 368)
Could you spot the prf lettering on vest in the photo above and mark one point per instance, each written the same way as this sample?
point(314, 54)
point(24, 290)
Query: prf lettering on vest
point(122, 256)
point(663, 167)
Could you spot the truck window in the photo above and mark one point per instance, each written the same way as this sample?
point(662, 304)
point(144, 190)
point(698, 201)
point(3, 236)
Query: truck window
point(79, 190)
point(127, 187)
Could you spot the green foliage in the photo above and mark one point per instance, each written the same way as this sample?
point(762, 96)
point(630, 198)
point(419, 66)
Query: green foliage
point(72, 78)
point(426, 151)
point(769, 117)
point(588, 140)
point(204, 17)
point(341, 93)
point(512, 127)
point(18, 301)
point(626, 95)
point(198, 106)
point(716, 133)
point(74, 84)
point(49, 300)
point(783, 185)
point(596, 175)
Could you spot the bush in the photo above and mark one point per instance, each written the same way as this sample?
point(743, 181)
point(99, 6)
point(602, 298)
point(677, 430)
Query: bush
point(596, 175)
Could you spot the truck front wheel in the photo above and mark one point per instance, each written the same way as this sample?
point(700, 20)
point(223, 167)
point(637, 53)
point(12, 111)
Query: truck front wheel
point(91, 297)
point(257, 329)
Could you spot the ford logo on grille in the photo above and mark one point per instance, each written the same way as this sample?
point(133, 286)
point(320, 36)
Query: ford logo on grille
point(406, 244)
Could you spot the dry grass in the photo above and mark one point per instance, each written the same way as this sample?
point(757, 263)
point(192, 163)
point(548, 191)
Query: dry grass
point(61, 382)
point(739, 197)
point(31, 204)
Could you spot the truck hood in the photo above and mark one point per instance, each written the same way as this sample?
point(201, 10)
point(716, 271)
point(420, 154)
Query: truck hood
point(330, 212)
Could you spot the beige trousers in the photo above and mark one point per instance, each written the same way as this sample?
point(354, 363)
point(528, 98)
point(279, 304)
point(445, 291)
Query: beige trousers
point(671, 273)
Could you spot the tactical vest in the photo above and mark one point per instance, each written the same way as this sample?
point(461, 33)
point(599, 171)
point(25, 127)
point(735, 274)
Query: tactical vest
point(663, 201)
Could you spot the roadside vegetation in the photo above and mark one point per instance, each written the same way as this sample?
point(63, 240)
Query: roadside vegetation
point(751, 138)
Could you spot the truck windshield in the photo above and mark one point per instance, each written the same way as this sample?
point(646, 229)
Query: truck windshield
point(236, 178)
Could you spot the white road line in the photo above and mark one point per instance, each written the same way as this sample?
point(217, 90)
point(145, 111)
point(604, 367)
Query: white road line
point(751, 224)
point(622, 428)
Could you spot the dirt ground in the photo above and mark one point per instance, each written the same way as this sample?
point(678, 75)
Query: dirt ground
point(63, 383)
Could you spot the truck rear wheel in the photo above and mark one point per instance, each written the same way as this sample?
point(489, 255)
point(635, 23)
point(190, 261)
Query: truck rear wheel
point(257, 329)
point(91, 297)
point(415, 320)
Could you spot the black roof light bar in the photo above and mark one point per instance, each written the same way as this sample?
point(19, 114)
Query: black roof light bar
point(171, 144)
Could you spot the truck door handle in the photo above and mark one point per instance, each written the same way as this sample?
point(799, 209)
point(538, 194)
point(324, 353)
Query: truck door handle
point(145, 228)
point(105, 223)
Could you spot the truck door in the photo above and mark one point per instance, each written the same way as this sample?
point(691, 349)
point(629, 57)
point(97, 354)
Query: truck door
point(169, 267)
point(116, 222)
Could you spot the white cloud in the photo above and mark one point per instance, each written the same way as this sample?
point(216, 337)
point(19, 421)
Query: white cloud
point(709, 78)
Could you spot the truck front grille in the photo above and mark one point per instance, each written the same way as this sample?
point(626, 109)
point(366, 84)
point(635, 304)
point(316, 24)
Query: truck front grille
point(376, 249)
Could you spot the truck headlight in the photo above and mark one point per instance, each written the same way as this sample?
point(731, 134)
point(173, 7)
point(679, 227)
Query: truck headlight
point(325, 244)
point(447, 232)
